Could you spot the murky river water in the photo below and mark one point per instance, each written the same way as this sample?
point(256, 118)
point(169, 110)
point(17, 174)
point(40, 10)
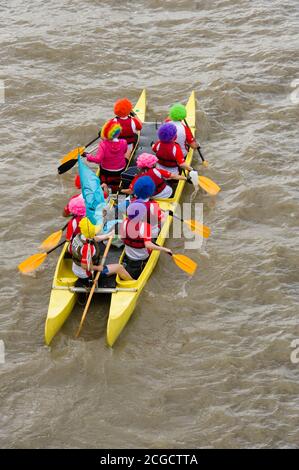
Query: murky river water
point(209, 364)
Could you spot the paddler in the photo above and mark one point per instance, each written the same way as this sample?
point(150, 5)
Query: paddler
point(177, 115)
point(137, 236)
point(86, 255)
point(130, 123)
point(112, 155)
point(168, 151)
point(77, 209)
point(146, 163)
point(66, 210)
point(143, 189)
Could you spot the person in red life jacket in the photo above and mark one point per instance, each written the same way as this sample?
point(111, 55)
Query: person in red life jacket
point(86, 254)
point(144, 189)
point(136, 234)
point(146, 162)
point(77, 208)
point(66, 211)
point(128, 120)
point(112, 155)
point(185, 139)
point(168, 151)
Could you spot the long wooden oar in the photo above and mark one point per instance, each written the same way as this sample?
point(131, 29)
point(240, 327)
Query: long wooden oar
point(184, 263)
point(53, 239)
point(33, 262)
point(194, 226)
point(95, 282)
point(208, 185)
point(71, 158)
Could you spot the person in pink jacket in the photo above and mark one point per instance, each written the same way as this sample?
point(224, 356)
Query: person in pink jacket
point(112, 155)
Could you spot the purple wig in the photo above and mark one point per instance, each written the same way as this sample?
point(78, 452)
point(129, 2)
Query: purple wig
point(167, 132)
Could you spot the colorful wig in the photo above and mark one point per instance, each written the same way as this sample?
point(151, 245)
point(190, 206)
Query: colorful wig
point(144, 187)
point(137, 211)
point(177, 112)
point(110, 130)
point(123, 107)
point(87, 228)
point(167, 132)
point(77, 206)
point(146, 160)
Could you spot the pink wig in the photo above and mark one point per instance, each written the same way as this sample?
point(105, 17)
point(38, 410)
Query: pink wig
point(77, 206)
point(146, 160)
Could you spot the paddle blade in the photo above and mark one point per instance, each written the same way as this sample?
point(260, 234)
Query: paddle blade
point(72, 154)
point(32, 263)
point(67, 166)
point(51, 241)
point(208, 185)
point(205, 163)
point(200, 229)
point(185, 263)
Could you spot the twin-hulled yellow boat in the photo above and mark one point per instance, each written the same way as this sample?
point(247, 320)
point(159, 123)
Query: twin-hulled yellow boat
point(124, 294)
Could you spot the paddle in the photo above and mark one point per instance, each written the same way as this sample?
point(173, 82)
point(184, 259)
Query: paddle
point(205, 183)
point(74, 153)
point(53, 239)
point(204, 162)
point(33, 262)
point(94, 286)
point(70, 159)
point(194, 226)
point(67, 166)
point(208, 185)
point(184, 263)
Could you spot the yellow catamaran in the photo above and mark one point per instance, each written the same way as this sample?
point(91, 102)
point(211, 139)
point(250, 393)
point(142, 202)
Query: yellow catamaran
point(124, 294)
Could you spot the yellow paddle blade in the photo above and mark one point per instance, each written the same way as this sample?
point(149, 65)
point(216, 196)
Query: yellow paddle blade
point(32, 263)
point(205, 163)
point(185, 263)
point(208, 185)
point(73, 154)
point(51, 241)
point(200, 229)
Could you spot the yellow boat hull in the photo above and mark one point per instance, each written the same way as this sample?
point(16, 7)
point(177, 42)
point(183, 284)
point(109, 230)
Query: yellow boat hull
point(123, 303)
point(62, 300)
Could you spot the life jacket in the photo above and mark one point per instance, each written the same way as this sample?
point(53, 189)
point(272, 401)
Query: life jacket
point(129, 131)
point(138, 228)
point(153, 212)
point(184, 136)
point(166, 153)
point(156, 176)
point(73, 228)
point(78, 243)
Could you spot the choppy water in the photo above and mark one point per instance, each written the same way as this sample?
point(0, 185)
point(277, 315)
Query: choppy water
point(209, 365)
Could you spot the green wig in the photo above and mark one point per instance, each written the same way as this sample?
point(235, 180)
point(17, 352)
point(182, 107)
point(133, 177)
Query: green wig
point(177, 112)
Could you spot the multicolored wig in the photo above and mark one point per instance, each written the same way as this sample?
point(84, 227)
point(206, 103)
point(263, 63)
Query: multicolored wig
point(110, 130)
point(123, 107)
point(167, 132)
point(177, 112)
point(146, 160)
